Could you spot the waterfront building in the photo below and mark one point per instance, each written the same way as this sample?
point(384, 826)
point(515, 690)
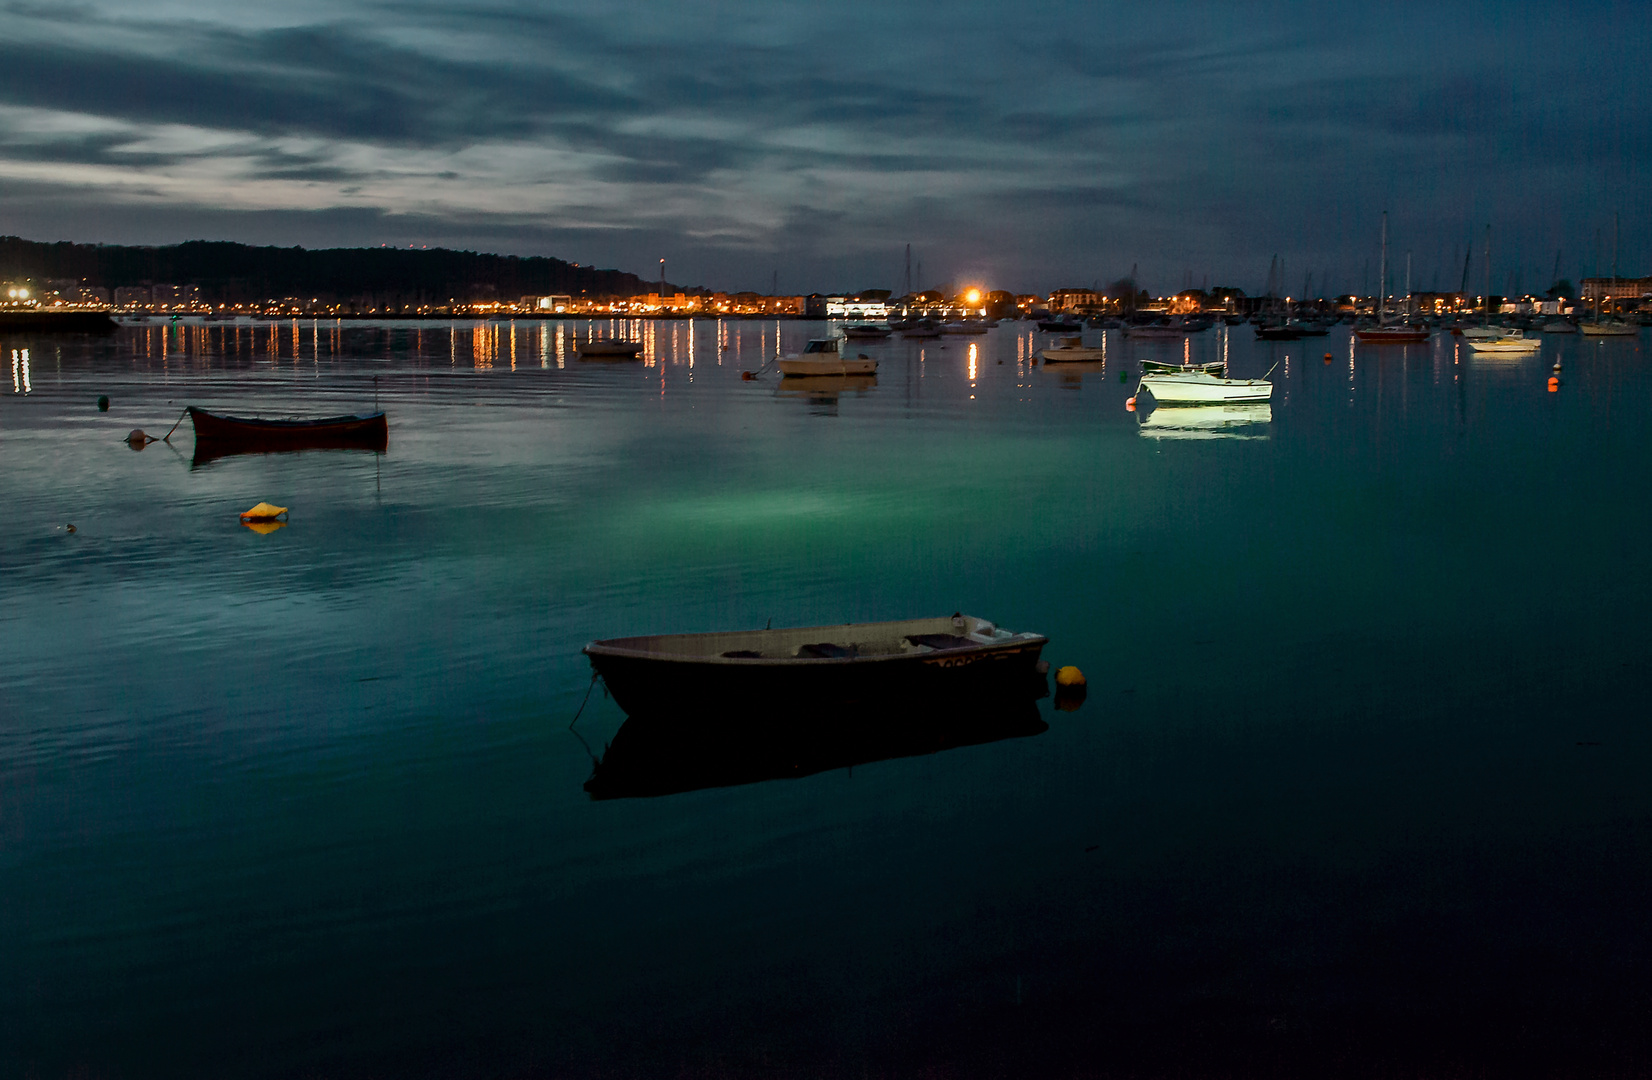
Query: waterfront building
point(1076, 300)
point(1622, 288)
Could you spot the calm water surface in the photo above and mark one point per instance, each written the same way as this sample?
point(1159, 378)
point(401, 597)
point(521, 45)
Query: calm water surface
point(1359, 788)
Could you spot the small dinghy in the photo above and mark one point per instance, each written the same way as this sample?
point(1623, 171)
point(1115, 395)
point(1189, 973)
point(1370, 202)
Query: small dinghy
point(824, 666)
point(217, 435)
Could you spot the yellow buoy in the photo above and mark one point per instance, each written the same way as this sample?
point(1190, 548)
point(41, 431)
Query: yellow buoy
point(263, 512)
point(1069, 676)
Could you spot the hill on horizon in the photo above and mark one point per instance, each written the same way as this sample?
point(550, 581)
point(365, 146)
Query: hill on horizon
point(228, 272)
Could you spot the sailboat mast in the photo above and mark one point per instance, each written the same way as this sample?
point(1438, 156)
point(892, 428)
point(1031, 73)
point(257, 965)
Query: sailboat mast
point(1408, 285)
point(1488, 275)
point(1382, 276)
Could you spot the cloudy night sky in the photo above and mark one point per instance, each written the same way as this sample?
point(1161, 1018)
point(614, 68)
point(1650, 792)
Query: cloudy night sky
point(1021, 146)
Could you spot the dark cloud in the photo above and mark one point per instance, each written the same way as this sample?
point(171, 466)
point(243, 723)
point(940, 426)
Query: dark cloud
point(1047, 144)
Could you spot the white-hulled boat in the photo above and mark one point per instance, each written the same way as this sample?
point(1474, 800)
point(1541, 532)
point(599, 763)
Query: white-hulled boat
point(1071, 350)
point(1514, 343)
point(870, 331)
point(821, 357)
point(1200, 386)
point(1560, 326)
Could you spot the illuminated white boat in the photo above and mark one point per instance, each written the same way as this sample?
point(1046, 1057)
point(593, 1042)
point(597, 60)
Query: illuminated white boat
point(1509, 344)
point(1201, 386)
point(1070, 350)
point(821, 357)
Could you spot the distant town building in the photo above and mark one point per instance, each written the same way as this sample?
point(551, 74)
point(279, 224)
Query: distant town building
point(838, 307)
point(552, 304)
point(1075, 299)
point(175, 296)
point(1596, 288)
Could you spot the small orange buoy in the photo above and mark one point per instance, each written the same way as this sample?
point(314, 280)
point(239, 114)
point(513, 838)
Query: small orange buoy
point(1130, 405)
point(263, 512)
point(1554, 384)
point(1069, 676)
point(1327, 358)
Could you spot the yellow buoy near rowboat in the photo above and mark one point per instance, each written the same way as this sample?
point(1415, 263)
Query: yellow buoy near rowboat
point(263, 512)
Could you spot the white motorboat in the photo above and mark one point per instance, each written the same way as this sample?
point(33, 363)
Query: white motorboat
point(1208, 422)
point(609, 348)
point(1201, 386)
point(821, 357)
point(1070, 350)
point(1515, 343)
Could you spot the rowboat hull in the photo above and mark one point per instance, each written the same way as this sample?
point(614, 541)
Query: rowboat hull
point(1175, 388)
point(860, 665)
point(609, 350)
point(243, 434)
point(1609, 330)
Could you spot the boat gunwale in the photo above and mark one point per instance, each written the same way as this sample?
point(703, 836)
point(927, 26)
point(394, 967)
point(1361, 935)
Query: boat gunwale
point(612, 647)
point(291, 424)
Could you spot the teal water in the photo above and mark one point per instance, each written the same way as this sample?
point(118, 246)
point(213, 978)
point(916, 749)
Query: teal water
point(1359, 784)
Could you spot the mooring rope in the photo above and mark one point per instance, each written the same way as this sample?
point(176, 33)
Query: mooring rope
point(168, 436)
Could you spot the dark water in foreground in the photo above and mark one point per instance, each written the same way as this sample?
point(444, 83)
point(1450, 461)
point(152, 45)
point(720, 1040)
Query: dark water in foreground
point(1360, 787)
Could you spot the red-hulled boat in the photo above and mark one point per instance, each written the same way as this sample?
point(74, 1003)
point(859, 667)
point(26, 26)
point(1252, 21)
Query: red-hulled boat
point(1391, 335)
point(244, 434)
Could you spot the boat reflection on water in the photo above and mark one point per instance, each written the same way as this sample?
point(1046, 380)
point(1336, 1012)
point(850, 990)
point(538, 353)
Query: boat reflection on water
point(1208, 422)
point(824, 389)
point(206, 452)
point(666, 754)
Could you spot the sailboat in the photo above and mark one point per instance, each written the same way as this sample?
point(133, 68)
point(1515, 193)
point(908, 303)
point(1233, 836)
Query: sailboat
point(1382, 333)
point(1613, 327)
point(1485, 331)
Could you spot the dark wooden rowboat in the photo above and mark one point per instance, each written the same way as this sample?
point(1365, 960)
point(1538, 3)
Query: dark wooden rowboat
point(960, 658)
point(364, 430)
